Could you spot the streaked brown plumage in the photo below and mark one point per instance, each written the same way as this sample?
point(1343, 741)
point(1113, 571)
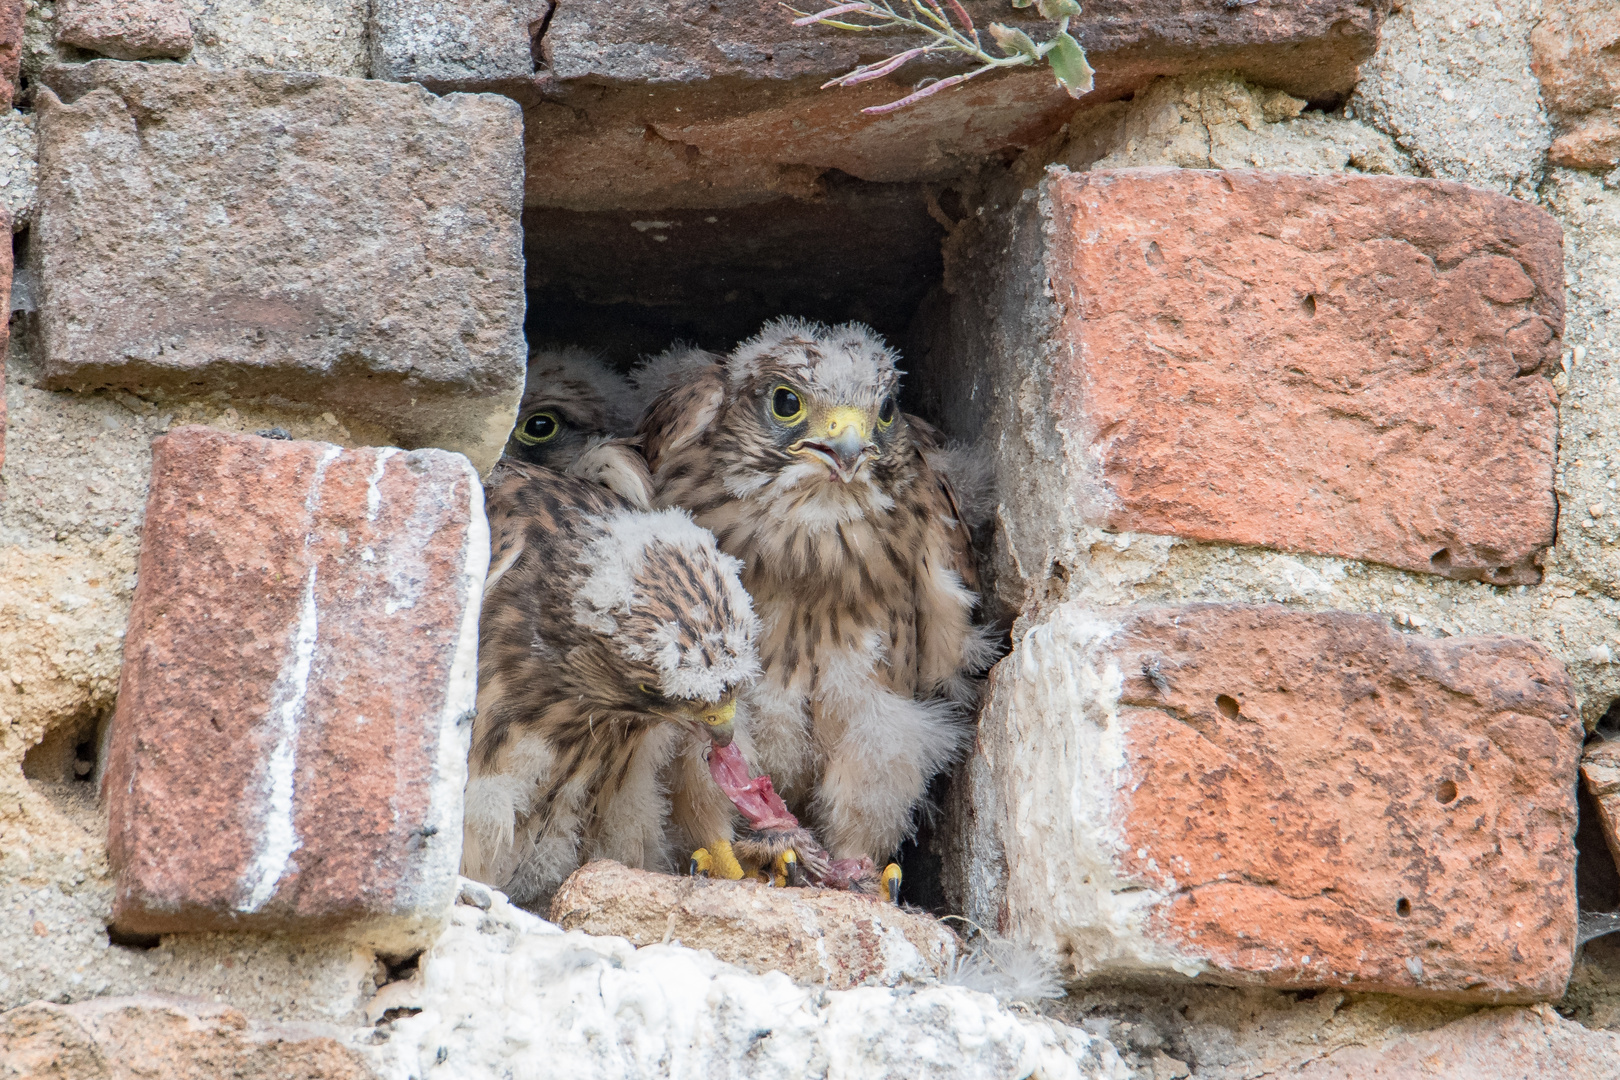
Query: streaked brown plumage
point(856, 558)
point(611, 639)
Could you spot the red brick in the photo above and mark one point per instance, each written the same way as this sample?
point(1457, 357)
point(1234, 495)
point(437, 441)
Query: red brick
point(11, 40)
point(1576, 55)
point(288, 748)
point(1285, 798)
point(1342, 365)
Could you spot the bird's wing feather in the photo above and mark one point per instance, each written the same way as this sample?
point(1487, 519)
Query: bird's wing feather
point(681, 414)
point(617, 465)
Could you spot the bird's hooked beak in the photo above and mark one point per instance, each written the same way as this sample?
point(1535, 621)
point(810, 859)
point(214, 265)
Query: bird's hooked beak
point(842, 438)
point(716, 720)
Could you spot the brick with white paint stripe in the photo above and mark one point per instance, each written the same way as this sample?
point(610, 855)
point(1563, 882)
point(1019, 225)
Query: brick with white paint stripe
point(289, 747)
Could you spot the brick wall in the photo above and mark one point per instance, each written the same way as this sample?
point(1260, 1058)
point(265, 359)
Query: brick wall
point(1291, 347)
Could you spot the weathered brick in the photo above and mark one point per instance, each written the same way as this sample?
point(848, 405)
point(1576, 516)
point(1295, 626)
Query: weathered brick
point(11, 40)
point(819, 937)
point(698, 104)
point(1343, 365)
point(1577, 57)
point(288, 749)
point(1291, 799)
point(122, 29)
point(201, 230)
point(461, 43)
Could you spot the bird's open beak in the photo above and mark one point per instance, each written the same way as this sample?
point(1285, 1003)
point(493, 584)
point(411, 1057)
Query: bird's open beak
point(842, 438)
point(718, 721)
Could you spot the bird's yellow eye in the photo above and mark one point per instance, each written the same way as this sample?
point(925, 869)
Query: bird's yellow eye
point(886, 411)
point(538, 427)
point(786, 406)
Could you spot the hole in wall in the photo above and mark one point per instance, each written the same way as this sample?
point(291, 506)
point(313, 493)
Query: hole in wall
point(1597, 880)
point(625, 284)
point(1441, 560)
point(1446, 792)
point(130, 940)
point(1228, 706)
point(1403, 907)
point(65, 767)
point(1309, 304)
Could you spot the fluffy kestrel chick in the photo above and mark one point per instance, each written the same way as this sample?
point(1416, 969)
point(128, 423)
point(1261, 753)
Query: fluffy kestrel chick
point(794, 451)
point(569, 400)
point(611, 636)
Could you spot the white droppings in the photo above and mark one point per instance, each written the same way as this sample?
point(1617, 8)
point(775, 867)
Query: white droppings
point(373, 494)
point(279, 838)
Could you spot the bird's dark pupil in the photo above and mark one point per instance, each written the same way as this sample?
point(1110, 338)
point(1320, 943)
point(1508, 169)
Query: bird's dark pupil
point(785, 402)
point(540, 426)
point(886, 413)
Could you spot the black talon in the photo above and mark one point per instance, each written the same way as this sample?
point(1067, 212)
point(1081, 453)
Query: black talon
point(795, 875)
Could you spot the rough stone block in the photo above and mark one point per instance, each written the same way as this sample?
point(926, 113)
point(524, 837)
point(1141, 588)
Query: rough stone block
point(288, 750)
point(200, 230)
point(1265, 796)
point(455, 42)
point(1577, 57)
point(151, 1037)
point(697, 104)
point(124, 30)
point(817, 937)
point(326, 37)
point(1348, 365)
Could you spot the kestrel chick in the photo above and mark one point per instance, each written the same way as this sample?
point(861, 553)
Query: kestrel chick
point(569, 399)
point(794, 452)
point(611, 638)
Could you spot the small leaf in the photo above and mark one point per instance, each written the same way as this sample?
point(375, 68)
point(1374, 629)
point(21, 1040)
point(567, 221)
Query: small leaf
point(1058, 9)
point(1013, 42)
point(1022, 3)
point(1068, 62)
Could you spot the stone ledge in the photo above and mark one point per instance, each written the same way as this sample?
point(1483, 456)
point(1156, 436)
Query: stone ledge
point(816, 937)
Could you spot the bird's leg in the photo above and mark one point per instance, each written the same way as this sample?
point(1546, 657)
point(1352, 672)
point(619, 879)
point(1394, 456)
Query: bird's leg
point(719, 862)
point(890, 882)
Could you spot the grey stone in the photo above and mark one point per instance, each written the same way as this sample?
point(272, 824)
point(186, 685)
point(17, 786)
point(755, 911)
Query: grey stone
point(459, 42)
point(292, 239)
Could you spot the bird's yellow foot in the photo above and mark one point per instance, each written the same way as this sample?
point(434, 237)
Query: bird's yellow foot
point(788, 870)
point(718, 862)
point(890, 882)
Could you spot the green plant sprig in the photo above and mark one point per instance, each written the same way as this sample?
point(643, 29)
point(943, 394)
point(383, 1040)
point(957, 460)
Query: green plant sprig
point(955, 33)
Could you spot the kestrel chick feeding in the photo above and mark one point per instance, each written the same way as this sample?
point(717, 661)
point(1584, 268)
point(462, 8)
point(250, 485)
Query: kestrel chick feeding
point(611, 639)
point(794, 452)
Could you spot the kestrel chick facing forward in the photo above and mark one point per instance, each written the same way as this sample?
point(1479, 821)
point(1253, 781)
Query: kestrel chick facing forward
point(611, 638)
point(794, 452)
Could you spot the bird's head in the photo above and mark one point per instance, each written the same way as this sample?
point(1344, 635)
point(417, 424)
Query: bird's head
point(818, 404)
point(672, 625)
point(569, 398)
